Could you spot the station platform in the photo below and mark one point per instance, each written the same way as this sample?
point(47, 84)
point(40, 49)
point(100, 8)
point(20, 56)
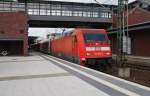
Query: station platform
point(137, 60)
point(44, 75)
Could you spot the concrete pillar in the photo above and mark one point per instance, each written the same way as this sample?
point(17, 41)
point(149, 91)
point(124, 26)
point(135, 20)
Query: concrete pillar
point(124, 72)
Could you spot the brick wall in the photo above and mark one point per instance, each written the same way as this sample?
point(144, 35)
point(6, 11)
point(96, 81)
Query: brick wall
point(135, 16)
point(140, 42)
point(138, 15)
point(13, 25)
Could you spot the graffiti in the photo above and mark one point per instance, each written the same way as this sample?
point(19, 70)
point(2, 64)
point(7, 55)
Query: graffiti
point(4, 53)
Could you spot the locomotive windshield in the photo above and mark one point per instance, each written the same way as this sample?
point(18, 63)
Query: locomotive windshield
point(89, 37)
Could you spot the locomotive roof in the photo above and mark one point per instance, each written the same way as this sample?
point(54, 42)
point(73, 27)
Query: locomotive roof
point(67, 33)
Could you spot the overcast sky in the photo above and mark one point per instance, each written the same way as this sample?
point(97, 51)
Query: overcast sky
point(42, 32)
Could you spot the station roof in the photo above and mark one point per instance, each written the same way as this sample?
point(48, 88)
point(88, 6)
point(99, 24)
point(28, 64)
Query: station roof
point(133, 28)
point(64, 2)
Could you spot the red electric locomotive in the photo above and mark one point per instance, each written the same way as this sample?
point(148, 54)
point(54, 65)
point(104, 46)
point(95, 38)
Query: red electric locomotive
point(86, 46)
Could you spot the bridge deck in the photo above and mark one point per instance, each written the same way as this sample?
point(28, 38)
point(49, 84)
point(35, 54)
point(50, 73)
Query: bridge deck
point(41, 75)
point(62, 14)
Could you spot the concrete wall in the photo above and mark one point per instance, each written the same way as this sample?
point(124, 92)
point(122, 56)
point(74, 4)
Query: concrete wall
point(13, 25)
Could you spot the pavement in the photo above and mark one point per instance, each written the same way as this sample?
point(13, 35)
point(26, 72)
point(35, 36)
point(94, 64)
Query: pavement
point(42, 75)
point(35, 76)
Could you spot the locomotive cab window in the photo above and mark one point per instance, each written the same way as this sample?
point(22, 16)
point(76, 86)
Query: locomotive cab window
point(89, 37)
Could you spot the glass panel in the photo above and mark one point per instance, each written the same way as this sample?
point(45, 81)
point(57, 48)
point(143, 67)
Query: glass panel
point(89, 37)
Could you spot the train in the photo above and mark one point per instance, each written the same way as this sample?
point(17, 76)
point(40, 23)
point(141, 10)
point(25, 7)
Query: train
point(87, 47)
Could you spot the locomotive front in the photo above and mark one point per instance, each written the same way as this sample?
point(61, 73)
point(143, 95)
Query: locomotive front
point(96, 49)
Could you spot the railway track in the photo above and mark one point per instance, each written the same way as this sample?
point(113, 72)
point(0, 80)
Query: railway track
point(139, 66)
point(136, 69)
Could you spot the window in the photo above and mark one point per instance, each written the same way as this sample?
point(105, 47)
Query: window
point(95, 14)
point(56, 12)
point(56, 7)
point(77, 13)
point(105, 15)
point(110, 16)
point(66, 13)
point(42, 12)
point(89, 37)
point(86, 14)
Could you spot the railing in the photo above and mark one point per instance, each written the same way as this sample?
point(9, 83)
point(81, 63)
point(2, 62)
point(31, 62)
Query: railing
point(56, 9)
point(11, 6)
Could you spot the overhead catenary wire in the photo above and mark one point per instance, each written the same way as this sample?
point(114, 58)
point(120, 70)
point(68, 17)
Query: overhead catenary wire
point(100, 4)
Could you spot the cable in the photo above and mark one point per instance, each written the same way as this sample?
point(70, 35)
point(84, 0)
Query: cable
point(100, 4)
point(106, 1)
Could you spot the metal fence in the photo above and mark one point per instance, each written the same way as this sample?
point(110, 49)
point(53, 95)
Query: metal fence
point(56, 9)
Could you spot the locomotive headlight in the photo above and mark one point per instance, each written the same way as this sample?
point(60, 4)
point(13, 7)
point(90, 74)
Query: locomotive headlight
point(88, 54)
point(83, 59)
point(105, 48)
point(108, 53)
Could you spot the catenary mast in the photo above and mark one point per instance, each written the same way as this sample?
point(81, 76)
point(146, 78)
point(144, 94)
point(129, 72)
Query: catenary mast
point(121, 33)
